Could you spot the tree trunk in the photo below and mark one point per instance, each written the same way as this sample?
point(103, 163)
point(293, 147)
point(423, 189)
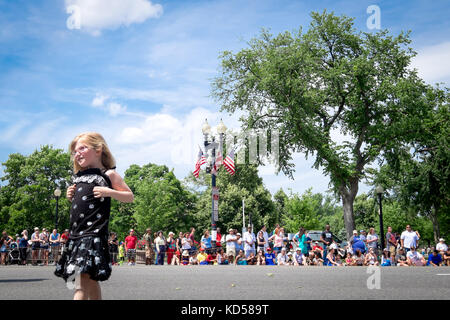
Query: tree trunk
point(434, 220)
point(348, 197)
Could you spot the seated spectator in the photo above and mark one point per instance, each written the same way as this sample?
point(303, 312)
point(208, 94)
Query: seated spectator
point(176, 260)
point(317, 246)
point(222, 257)
point(331, 258)
point(309, 258)
point(193, 259)
point(185, 258)
point(358, 258)
point(270, 258)
point(435, 259)
point(386, 258)
point(441, 247)
point(260, 259)
point(400, 258)
point(371, 259)
point(212, 258)
point(414, 258)
point(447, 257)
point(282, 258)
point(201, 257)
point(349, 260)
point(338, 260)
point(251, 260)
point(299, 258)
point(240, 258)
point(317, 260)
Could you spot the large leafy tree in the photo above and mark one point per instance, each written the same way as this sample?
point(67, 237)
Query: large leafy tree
point(310, 85)
point(419, 176)
point(27, 198)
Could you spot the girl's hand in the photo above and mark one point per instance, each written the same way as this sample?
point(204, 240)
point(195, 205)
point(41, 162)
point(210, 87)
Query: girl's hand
point(70, 192)
point(101, 192)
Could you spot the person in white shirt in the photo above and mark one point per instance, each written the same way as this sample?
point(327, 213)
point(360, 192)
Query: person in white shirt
point(231, 245)
point(299, 258)
point(372, 241)
point(282, 258)
point(249, 242)
point(409, 239)
point(441, 246)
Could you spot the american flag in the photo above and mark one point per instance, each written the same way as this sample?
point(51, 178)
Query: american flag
point(229, 163)
point(200, 161)
point(219, 161)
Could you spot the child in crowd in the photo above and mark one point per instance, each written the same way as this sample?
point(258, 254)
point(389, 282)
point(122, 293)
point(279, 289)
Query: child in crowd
point(386, 258)
point(240, 258)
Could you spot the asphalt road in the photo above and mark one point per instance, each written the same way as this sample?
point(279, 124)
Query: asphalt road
point(236, 283)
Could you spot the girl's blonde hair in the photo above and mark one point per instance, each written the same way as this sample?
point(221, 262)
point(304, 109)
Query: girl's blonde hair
point(95, 141)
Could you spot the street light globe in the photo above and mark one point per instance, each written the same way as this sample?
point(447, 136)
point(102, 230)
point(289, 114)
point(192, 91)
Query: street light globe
point(57, 192)
point(379, 190)
point(221, 128)
point(206, 129)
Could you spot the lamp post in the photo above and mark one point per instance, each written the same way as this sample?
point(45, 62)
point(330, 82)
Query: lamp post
point(379, 190)
point(212, 145)
point(57, 194)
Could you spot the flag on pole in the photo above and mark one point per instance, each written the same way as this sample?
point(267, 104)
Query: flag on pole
point(218, 162)
point(200, 161)
point(229, 163)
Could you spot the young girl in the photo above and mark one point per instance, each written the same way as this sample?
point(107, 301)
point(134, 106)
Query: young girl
point(86, 254)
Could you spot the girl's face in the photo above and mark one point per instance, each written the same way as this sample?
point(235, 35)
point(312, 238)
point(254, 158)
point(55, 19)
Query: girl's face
point(85, 155)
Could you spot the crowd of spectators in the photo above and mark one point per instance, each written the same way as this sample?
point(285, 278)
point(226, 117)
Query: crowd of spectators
point(233, 248)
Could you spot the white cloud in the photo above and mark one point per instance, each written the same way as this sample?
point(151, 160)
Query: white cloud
point(99, 100)
point(97, 15)
point(433, 62)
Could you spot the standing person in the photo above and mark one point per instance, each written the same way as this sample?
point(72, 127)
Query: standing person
point(249, 241)
point(239, 242)
point(113, 248)
point(55, 239)
point(178, 242)
point(231, 245)
point(266, 237)
point(160, 242)
point(261, 241)
point(277, 238)
point(391, 242)
point(44, 237)
point(218, 239)
point(372, 241)
point(409, 239)
point(95, 183)
point(23, 247)
point(326, 238)
point(35, 246)
point(149, 253)
point(205, 241)
point(171, 247)
point(186, 243)
point(5, 241)
point(194, 244)
point(130, 248)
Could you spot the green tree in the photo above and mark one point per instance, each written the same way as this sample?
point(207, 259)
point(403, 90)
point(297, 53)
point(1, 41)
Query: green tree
point(27, 198)
point(331, 78)
point(161, 201)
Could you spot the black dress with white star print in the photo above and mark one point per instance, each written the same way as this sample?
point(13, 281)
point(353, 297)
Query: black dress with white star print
point(87, 251)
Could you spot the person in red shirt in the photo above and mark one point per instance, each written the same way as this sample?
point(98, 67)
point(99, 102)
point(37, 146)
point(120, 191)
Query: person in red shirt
point(218, 239)
point(130, 247)
point(212, 258)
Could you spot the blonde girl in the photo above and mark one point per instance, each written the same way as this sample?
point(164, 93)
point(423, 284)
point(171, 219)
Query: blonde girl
point(86, 255)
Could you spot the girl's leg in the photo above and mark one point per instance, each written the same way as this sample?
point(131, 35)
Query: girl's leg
point(95, 292)
point(87, 289)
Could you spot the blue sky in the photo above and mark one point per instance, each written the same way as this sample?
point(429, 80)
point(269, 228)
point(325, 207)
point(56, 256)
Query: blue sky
point(139, 71)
